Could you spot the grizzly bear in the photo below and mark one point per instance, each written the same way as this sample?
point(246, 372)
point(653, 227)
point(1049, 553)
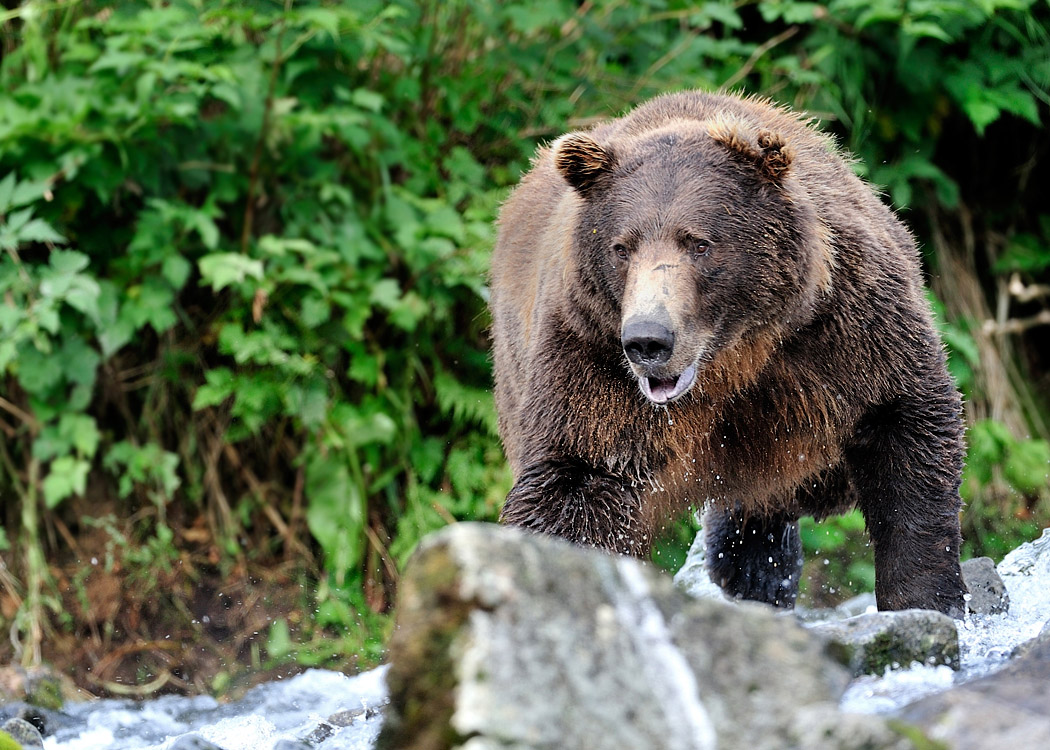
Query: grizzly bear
point(700, 304)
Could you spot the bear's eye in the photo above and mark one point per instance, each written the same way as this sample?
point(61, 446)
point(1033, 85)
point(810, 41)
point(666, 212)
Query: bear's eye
point(699, 248)
point(621, 251)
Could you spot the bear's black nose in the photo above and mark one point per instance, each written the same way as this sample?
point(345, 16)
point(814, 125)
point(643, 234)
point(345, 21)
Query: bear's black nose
point(647, 343)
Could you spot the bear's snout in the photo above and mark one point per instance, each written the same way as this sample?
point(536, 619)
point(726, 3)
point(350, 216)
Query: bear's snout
point(647, 343)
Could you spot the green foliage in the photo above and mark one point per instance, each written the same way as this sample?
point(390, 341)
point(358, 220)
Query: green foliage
point(997, 458)
point(840, 562)
point(1025, 464)
point(1027, 252)
point(243, 246)
point(672, 546)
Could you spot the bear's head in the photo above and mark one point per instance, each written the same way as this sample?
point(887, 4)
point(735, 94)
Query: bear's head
point(693, 240)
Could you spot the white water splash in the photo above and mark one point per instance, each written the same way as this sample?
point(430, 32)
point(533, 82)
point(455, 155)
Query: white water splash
point(285, 710)
point(985, 641)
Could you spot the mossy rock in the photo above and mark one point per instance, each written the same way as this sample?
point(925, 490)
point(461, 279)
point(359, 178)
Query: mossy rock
point(870, 643)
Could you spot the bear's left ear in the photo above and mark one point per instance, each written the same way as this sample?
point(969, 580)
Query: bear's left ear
point(765, 148)
point(582, 161)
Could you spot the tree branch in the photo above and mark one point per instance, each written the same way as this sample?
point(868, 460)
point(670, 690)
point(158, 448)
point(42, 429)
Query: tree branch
point(1015, 325)
point(1026, 293)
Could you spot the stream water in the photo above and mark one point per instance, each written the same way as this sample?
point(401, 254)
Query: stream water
point(332, 710)
point(294, 709)
point(985, 641)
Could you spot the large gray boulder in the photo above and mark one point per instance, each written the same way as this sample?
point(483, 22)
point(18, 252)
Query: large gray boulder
point(1007, 710)
point(512, 641)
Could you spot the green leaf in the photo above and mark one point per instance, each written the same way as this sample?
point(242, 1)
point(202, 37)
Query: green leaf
point(7, 191)
point(82, 432)
point(369, 100)
point(68, 262)
point(118, 60)
point(176, 270)
point(223, 269)
point(529, 18)
point(219, 385)
point(73, 432)
point(83, 296)
point(67, 476)
point(446, 221)
point(310, 404)
point(925, 29)
point(38, 373)
point(79, 361)
point(279, 642)
point(114, 329)
point(373, 428)
point(39, 230)
point(151, 304)
point(386, 293)
point(148, 465)
point(335, 511)
point(1026, 252)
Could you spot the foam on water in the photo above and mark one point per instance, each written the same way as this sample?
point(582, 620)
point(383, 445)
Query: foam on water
point(288, 709)
point(985, 641)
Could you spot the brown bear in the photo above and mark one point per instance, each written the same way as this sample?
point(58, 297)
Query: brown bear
point(699, 303)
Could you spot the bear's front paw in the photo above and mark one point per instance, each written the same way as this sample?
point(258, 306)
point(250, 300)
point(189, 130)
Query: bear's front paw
point(576, 502)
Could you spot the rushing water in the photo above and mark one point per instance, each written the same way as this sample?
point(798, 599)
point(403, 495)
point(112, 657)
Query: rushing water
point(309, 706)
point(985, 641)
point(292, 709)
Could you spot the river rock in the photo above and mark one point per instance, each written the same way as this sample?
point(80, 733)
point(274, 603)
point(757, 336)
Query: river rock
point(1007, 710)
point(512, 641)
point(22, 732)
point(46, 721)
point(870, 643)
point(988, 594)
point(861, 604)
point(345, 718)
point(193, 742)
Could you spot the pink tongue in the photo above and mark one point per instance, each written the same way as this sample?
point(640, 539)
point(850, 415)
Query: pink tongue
point(662, 390)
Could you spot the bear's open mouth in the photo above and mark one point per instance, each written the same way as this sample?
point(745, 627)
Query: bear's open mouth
point(665, 390)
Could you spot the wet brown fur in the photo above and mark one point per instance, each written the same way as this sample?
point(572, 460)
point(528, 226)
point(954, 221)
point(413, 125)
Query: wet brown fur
point(822, 383)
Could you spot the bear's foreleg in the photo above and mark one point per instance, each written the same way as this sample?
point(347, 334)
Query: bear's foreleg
point(569, 499)
point(905, 465)
point(753, 557)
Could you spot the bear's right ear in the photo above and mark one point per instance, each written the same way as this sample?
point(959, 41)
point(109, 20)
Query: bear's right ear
point(582, 161)
point(764, 148)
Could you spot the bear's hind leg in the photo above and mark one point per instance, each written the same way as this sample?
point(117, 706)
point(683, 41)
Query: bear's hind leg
point(754, 557)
